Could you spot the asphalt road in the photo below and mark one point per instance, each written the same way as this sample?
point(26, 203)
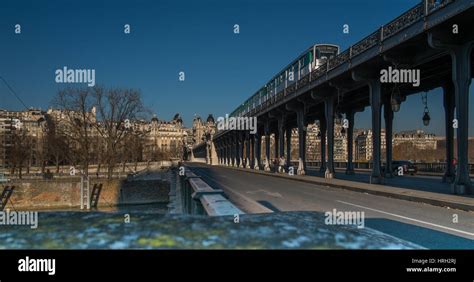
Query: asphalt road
point(429, 226)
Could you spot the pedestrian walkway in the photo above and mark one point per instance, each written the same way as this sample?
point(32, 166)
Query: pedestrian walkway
point(420, 183)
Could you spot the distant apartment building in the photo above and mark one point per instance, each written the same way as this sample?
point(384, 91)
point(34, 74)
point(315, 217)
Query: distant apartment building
point(200, 128)
point(25, 126)
point(313, 143)
point(418, 138)
point(163, 136)
point(158, 135)
point(364, 146)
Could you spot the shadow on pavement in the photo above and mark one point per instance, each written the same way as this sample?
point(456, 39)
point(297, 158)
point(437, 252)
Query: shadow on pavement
point(425, 237)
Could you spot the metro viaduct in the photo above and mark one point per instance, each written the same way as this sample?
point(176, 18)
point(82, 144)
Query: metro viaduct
point(422, 38)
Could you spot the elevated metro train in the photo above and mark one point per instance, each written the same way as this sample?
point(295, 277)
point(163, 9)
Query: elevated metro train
point(308, 61)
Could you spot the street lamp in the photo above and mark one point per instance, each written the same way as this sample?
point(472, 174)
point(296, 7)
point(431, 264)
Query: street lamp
point(338, 117)
point(426, 118)
point(395, 100)
point(426, 115)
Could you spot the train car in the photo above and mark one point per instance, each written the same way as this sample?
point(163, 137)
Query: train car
point(311, 59)
point(325, 52)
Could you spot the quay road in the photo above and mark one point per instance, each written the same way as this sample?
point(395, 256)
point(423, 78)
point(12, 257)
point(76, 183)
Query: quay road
point(429, 226)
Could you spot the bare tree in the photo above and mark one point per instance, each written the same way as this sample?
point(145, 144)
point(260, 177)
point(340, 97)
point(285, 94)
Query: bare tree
point(56, 141)
point(133, 149)
point(116, 110)
point(96, 122)
point(20, 150)
point(78, 116)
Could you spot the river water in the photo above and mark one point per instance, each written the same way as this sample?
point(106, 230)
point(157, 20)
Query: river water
point(180, 198)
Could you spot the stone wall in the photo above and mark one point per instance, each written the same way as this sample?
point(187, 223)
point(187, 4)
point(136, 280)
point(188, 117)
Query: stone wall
point(65, 193)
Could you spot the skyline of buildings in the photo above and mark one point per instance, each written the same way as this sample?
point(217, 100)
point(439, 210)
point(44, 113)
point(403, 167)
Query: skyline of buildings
point(172, 137)
point(151, 139)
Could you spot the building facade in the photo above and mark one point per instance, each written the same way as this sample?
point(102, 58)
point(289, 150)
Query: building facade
point(21, 136)
point(420, 139)
point(31, 127)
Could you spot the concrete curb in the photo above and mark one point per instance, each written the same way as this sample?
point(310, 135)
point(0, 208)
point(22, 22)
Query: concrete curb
point(418, 173)
point(436, 199)
point(245, 203)
point(212, 200)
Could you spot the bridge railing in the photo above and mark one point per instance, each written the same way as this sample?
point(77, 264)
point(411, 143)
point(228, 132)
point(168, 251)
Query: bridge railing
point(433, 5)
point(366, 43)
point(202, 198)
point(341, 58)
point(403, 21)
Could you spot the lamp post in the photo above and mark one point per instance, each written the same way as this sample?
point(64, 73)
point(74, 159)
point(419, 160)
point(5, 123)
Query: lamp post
point(426, 114)
point(395, 99)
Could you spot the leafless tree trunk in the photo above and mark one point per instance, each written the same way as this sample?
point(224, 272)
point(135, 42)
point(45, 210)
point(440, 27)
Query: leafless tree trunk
point(20, 150)
point(76, 108)
point(117, 110)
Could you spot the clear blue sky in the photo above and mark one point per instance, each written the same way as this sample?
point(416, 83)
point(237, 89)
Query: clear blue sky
point(222, 68)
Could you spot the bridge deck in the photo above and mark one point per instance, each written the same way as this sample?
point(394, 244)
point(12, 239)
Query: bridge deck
point(426, 225)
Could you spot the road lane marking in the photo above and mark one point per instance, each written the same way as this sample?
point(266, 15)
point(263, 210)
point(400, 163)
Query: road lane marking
point(409, 218)
point(273, 194)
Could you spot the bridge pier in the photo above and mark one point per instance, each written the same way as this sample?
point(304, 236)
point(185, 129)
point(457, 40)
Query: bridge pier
point(257, 150)
point(247, 150)
point(227, 152)
point(212, 152)
point(448, 103)
point(461, 71)
point(300, 123)
point(350, 141)
point(388, 116)
point(252, 150)
point(191, 155)
point(329, 112)
point(461, 76)
point(241, 144)
point(281, 141)
point(301, 142)
point(222, 158)
point(235, 150)
point(322, 131)
point(222, 154)
point(222, 150)
point(218, 152)
point(266, 165)
point(208, 152)
point(375, 92)
point(288, 146)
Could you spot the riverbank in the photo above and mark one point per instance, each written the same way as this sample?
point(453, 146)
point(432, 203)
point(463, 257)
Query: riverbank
point(64, 193)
